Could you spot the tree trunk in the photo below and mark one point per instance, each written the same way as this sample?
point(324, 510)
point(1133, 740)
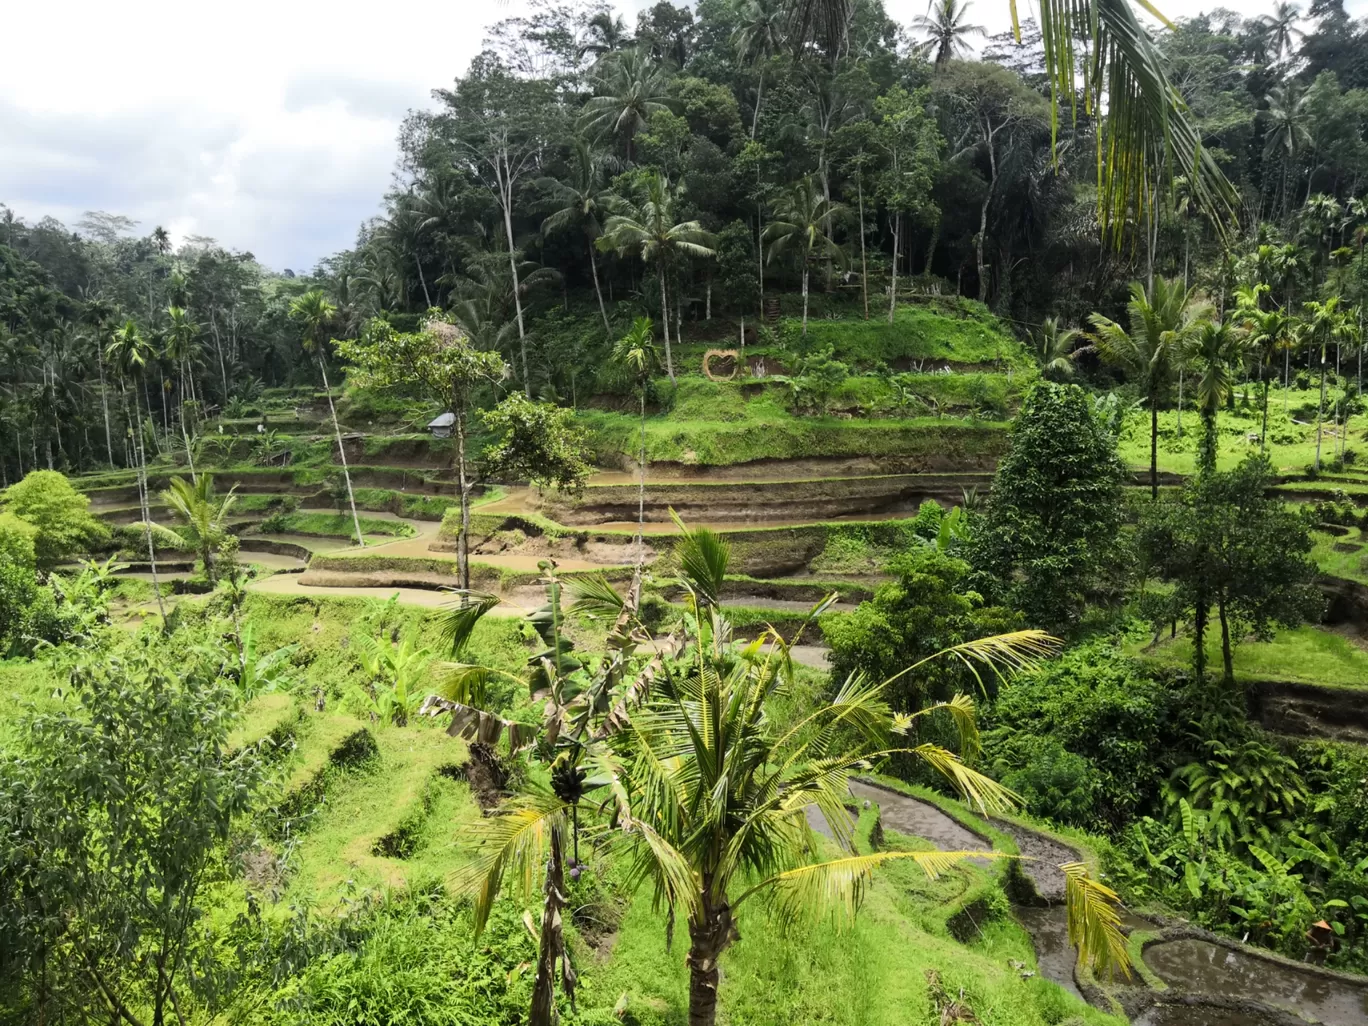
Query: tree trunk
point(1199, 626)
point(1227, 659)
point(893, 285)
point(1320, 410)
point(1180, 401)
point(665, 323)
point(147, 511)
point(422, 281)
point(805, 298)
point(593, 267)
point(760, 251)
point(551, 943)
point(104, 403)
point(506, 198)
point(983, 223)
point(1263, 432)
point(641, 484)
point(1154, 447)
point(709, 935)
point(341, 452)
point(759, 95)
point(864, 266)
point(463, 484)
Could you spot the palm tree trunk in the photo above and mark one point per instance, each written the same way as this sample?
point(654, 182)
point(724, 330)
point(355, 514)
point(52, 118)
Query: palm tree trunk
point(641, 484)
point(422, 281)
point(551, 943)
point(864, 266)
point(759, 96)
point(147, 513)
point(1227, 660)
point(1201, 613)
point(1263, 432)
point(603, 310)
point(104, 403)
point(1320, 410)
point(341, 452)
point(710, 934)
point(1154, 447)
point(463, 484)
point(665, 322)
point(893, 285)
point(1180, 402)
point(506, 198)
point(805, 298)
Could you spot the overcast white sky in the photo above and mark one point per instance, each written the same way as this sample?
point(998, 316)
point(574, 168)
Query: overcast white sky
point(267, 124)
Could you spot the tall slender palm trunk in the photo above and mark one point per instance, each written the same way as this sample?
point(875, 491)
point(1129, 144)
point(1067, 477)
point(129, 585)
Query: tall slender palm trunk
point(1320, 410)
point(665, 321)
point(104, 403)
point(463, 484)
point(864, 265)
point(1154, 447)
point(805, 298)
point(603, 310)
point(893, 286)
point(341, 452)
point(641, 484)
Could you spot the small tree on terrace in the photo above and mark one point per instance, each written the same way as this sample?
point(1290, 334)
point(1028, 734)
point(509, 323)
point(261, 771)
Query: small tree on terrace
point(538, 443)
point(1225, 543)
point(441, 365)
point(1049, 538)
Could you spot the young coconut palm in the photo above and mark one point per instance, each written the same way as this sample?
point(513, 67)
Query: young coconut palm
point(802, 219)
point(1160, 322)
point(708, 796)
point(202, 515)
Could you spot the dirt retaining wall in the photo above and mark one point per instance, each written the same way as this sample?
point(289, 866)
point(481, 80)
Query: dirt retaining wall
point(1311, 710)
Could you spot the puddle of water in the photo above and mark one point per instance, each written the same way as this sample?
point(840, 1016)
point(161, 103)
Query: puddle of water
point(1049, 930)
point(1197, 1015)
point(1200, 967)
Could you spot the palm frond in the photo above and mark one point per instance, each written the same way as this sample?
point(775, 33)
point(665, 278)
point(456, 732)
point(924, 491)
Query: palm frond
point(838, 886)
point(978, 789)
point(961, 710)
point(1001, 653)
point(594, 594)
point(457, 623)
point(703, 559)
point(512, 843)
point(1094, 923)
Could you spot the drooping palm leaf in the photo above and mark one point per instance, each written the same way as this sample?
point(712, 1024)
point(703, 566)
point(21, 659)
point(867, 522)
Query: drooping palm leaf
point(457, 623)
point(512, 844)
point(1144, 129)
point(1094, 925)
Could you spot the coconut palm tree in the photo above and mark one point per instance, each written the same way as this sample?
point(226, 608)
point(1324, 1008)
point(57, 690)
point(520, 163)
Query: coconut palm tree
point(948, 34)
point(758, 36)
point(1160, 322)
point(1289, 130)
point(1325, 323)
point(128, 352)
point(1053, 348)
point(630, 89)
point(97, 315)
point(582, 203)
point(802, 218)
point(1145, 124)
point(1282, 29)
point(605, 33)
point(709, 796)
point(1217, 353)
point(1269, 332)
point(635, 352)
point(202, 515)
point(313, 311)
point(182, 349)
point(651, 232)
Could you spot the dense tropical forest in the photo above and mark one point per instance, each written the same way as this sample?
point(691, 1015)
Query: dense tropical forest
point(784, 516)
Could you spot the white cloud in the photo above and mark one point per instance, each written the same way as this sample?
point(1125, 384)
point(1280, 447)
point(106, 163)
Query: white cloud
point(267, 124)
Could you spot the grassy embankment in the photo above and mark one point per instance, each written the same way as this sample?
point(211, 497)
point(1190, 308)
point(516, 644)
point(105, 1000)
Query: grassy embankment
point(1303, 655)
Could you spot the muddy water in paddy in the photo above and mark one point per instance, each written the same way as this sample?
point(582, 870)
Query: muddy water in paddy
point(1201, 967)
